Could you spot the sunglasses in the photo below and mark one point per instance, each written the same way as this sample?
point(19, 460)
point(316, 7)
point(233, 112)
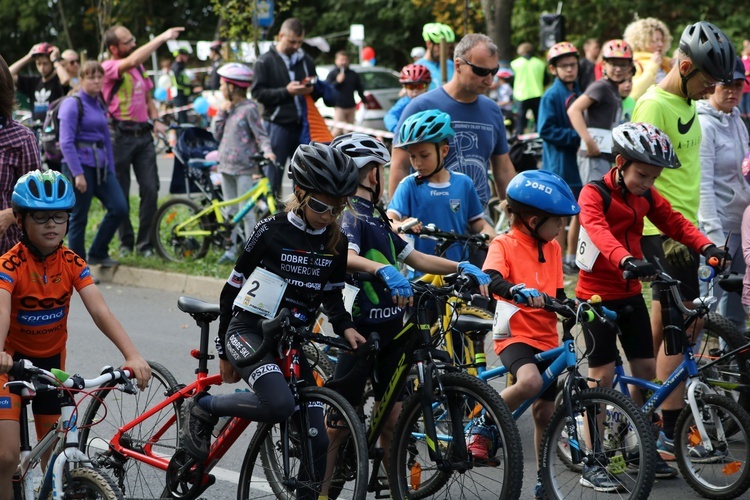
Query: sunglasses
point(44, 217)
point(480, 71)
point(319, 207)
point(416, 86)
point(74, 61)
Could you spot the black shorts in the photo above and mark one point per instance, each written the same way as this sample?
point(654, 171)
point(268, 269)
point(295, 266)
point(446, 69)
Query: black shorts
point(687, 276)
point(518, 354)
point(635, 324)
point(357, 371)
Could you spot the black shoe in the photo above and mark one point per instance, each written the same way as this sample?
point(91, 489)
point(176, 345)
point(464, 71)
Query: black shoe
point(663, 470)
point(197, 425)
point(105, 262)
point(570, 268)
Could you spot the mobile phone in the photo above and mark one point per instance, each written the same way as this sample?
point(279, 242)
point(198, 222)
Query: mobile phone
point(309, 81)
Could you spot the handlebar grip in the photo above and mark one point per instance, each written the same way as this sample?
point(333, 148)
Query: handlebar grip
point(408, 226)
point(609, 314)
point(713, 261)
point(18, 370)
point(629, 275)
point(270, 329)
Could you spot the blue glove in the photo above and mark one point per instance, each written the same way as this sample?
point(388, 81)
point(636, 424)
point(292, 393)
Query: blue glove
point(521, 294)
point(475, 272)
point(395, 281)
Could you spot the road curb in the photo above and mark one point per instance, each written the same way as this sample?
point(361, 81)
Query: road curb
point(195, 286)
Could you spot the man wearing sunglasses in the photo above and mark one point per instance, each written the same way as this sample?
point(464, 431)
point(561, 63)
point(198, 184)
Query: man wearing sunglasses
point(71, 62)
point(480, 141)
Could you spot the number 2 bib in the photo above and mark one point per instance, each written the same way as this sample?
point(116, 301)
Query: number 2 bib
point(261, 294)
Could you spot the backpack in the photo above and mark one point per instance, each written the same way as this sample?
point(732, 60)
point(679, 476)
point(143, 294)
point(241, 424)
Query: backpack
point(606, 194)
point(50, 135)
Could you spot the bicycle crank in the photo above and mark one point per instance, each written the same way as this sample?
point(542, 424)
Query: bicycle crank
point(185, 477)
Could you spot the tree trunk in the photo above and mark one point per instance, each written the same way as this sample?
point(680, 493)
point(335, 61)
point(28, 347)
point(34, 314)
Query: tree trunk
point(64, 23)
point(497, 14)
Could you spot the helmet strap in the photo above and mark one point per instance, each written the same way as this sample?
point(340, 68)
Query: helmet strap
point(535, 234)
point(684, 79)
point(441, 163)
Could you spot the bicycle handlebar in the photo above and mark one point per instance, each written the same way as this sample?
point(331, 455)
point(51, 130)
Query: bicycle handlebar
point(431, 231)
point(592, 309)
point(25, 371)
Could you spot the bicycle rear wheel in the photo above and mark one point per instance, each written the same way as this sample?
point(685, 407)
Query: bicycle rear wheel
point(111, 409)
point(724, 473)
point(263, 474)
point(179, 247)
point(465, 405)
point(626, 455)
point(90, 484)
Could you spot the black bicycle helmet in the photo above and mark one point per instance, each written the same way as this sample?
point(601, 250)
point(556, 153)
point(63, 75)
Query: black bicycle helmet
point(710, 50)
point(645, 143)
point(319, 168)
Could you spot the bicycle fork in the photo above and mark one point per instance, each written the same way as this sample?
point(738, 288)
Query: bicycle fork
point(693, 386)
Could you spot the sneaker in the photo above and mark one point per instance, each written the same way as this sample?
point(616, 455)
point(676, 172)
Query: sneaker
point(665, 447)
point(105, 262)
point(146, 252)
point(479, 446)
point(599, 479)
point(570, 268)
point(125, 251)
point(700, 455)
point(197, 425)
point(483, 441)
point(539, 493)
point(662, 470)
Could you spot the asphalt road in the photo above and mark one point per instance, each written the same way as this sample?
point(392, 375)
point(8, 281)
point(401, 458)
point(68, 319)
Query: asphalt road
point(165, 334)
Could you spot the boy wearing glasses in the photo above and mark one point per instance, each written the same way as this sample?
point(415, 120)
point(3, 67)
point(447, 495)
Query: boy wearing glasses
point(37, 279)
point(415, 80)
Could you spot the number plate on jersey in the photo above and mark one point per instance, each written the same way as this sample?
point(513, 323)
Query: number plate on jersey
point(261, 294)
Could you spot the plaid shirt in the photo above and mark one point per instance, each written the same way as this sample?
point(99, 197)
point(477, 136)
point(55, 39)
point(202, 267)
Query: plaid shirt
point(18, 155)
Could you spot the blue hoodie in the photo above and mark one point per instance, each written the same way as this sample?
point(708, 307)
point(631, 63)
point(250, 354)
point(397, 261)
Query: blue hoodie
point(561, 141)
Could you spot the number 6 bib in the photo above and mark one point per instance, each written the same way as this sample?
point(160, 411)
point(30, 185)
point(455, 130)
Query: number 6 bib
point(261, 294)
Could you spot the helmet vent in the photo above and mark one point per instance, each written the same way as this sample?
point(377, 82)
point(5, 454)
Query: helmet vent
point(34, 189)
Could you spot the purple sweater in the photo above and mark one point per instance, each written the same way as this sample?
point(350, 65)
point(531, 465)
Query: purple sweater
point(93, 130)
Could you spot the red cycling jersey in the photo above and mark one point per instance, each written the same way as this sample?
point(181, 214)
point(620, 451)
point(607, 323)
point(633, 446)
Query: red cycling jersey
point(40, 298)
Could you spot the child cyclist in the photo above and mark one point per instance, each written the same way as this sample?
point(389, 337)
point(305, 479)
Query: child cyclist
point(435, 194)
point(37, 271)
point(308, 235)
point(375, 248)
point(415, 79)
point(612, 213)
point(527, 262)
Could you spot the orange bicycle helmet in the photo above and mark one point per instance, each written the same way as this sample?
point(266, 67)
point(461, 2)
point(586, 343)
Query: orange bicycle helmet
point(617, 49)
point(561, 49)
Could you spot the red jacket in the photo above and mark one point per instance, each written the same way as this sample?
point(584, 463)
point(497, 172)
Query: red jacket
point(618, 233)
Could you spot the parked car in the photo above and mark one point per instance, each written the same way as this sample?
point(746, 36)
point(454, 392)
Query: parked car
point(381, 91)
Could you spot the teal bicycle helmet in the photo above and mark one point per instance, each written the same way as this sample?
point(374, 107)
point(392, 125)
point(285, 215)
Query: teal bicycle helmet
point(39, 190)
point(543, 191)
point(435, 32)
point(426, 126)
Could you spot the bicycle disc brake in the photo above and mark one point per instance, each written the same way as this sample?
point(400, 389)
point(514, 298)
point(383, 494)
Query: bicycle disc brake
point(185, 476)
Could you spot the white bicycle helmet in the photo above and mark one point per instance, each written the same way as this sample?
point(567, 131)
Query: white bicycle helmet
point(645, 143)
point(362, 148)
point(236, 74)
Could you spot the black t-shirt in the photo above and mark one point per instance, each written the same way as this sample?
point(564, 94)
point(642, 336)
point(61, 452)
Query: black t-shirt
point(40, 93)
point(284, 245)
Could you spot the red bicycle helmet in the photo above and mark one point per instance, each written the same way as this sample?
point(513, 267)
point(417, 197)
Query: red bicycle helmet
point(561, 49)
point(42, 49)
point(415, 73)
point(617, 49)
point(505, 73)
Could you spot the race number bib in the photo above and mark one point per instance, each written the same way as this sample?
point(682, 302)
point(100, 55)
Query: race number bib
point(587, 252)
point(350, 293)
point(602, 137)
point(501, 322)
point(261, 294)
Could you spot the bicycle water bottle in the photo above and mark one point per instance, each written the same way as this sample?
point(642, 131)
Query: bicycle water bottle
point(223, 421)
point(671, 317)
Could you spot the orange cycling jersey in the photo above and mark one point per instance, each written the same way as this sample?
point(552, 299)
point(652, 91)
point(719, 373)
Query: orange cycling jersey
point(40, 298)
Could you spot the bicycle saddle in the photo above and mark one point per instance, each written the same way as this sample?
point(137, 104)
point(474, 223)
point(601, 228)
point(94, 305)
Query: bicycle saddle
point(195, 306)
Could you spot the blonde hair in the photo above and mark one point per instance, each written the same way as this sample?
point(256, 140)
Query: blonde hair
point(638, 34)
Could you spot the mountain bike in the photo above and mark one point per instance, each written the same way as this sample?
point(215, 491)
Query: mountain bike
point(138, 438)
point(69, 472)
point(185, 229)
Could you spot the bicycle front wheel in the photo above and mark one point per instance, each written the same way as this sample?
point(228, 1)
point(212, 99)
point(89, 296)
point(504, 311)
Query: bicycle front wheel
point(157, 436)
point(723, 472)
point(263, 474)
point(90, 484)
point(179, 246)
point(619, 452)
point(467, 409)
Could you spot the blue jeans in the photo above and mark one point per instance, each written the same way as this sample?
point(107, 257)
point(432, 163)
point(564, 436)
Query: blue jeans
point(284, 141)
point(108, 191)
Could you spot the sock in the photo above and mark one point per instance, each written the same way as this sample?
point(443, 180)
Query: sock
point(204, 401)
point(669, 417)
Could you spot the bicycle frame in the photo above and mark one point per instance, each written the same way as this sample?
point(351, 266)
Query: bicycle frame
point(260, 190)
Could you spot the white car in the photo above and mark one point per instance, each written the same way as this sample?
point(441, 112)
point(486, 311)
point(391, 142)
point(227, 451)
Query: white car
point(381, 91)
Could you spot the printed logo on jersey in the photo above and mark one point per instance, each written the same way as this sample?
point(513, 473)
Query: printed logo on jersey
point(305, 267)
point(85, 273)
point(455, 205)
point(40, 318)
point(236, 279)
point(684, 128)
point(5, 403)
point(5, 277)
point(71, 256)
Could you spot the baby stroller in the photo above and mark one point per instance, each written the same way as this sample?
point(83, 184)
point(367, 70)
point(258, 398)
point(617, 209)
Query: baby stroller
point(191, 172)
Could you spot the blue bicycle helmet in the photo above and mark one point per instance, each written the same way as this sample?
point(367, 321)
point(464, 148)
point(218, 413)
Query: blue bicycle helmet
point(542, 190)
point(39, 190)
point(426, 126)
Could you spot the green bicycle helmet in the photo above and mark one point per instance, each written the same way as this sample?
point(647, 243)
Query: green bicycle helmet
point(39, 190)
point(426, 126)
point(436, 32)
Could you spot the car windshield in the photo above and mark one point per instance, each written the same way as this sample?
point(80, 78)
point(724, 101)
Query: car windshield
point(377, 80)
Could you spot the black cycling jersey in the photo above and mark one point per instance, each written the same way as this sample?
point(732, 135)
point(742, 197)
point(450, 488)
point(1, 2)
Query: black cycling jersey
point(286, 246)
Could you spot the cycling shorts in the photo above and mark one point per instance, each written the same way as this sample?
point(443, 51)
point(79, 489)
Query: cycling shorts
point(44, 403)
point(635, 324)
point(357, 370)
point(518, 354)
point(687, 276)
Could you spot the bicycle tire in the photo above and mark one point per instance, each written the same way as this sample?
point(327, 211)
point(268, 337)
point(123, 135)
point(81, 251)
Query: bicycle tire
point(710, 479)
point(179, 248)
point(264, 455)
point(90, 484)
point(500, 476)
point(111, 409)
point(631, 445)
point(322, 367)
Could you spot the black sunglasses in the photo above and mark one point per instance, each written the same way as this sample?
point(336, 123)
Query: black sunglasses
point(480, 71)
point(44, 217)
